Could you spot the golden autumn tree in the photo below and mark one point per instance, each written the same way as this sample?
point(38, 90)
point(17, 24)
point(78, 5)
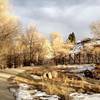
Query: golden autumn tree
point(8, 22)
point(9, 27)
point(61, 49)
point(47, 50)
point(57, 43)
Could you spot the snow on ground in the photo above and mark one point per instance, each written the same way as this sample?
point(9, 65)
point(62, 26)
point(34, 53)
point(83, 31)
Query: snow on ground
point(81, 68)
point(77, 49)
point(36, 77)
point(23, 93)
point(80, 96)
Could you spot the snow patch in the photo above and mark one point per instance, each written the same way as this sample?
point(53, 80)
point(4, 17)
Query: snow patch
point(24, 93)
point(80, 96)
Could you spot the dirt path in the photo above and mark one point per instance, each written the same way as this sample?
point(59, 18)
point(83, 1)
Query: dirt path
point(4, 92)
point(4, 75)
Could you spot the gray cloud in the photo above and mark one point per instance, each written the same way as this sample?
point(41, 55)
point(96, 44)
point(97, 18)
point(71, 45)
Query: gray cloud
point(63, 16)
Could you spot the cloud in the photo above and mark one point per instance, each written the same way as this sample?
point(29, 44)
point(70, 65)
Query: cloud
point(63, 16)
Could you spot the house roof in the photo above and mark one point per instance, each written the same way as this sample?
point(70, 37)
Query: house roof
point(88, 40)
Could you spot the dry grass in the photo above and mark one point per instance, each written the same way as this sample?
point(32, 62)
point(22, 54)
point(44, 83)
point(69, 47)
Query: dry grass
point(62, 85)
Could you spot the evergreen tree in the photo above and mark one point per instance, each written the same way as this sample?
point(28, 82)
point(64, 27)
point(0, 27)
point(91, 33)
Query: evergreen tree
point(72, 37)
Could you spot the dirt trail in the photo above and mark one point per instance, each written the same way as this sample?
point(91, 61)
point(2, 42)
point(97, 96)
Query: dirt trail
point(4, 92)
point(4, 75)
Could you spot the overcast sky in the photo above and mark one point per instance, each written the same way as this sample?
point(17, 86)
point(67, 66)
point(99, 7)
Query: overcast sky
point(62, 16)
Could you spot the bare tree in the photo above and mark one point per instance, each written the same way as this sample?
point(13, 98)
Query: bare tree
point(95, 27)
point(32, 42)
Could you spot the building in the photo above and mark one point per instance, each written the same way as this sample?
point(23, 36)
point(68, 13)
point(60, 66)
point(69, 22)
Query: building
point(87, 45)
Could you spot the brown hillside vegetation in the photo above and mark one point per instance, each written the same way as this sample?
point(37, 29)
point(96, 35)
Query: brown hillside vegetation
point(55, 80)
